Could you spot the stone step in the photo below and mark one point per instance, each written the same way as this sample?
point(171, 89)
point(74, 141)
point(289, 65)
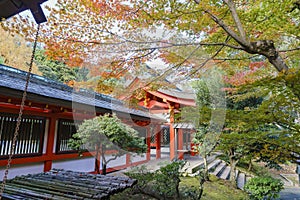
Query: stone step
point(241, 181)
point(237, 172)
point(194, 167)
point(219, 169)
point(213, 164)
point(225, 173)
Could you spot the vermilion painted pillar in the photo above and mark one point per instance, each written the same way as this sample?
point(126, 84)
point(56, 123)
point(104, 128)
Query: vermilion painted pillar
point(50, 144)
point(172, 135)
point(158, 141)
point(180, 143)
point(148, 142)
point(128, 161)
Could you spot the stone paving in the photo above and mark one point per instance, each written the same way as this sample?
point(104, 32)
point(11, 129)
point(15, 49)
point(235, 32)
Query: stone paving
point(290, 193)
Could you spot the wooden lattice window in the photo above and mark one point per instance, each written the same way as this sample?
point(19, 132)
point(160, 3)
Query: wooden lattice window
point(30, 138)
point(153, 138)
point(66, 128)
point(165, 139)
point(187, 139)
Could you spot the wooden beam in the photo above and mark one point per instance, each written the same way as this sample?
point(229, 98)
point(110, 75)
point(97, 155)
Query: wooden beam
point(26, 108)
point(43, 158)
point(172, 135)
point(180, 144)
point(148, 142)
point(50, 143)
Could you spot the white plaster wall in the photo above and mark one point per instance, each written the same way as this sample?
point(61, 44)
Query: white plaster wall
point(18, 170)
point(82, 164)
point(136, 158)
point(115, 163)
point(153, 151)
point(165, 149)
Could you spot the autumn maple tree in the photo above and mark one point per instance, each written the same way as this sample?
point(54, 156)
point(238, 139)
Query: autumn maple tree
point(15, 51)
point(118, 36)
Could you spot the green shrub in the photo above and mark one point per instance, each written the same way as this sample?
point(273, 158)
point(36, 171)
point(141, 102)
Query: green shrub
point(161, 184)
point(263, 188)
point(167, 179)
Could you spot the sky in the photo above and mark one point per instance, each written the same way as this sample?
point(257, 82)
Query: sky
point(50, 3)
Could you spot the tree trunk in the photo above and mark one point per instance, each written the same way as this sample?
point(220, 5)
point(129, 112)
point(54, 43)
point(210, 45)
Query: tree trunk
point(177, 189)
point(233, 163)
point(200, 191)
point(104, 162)
point(103, 168)
point(201, 187)
point(206, 177)
point(267, 49)
point(278, 63)
point(250, 165)
point(97, 170)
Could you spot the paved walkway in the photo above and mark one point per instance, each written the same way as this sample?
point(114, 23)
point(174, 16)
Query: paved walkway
point(151, 165)
point(290, 193)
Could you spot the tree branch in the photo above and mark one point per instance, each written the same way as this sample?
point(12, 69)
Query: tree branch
point(114, 158)
point(179, 64)
point(244, 58)
point(287, 50)
point(173, 67)
point(237, 20)
point(230, 32)
point(160, 44)
point(208, 59)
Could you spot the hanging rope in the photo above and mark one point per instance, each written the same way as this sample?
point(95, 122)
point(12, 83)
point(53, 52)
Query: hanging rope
point(12, 149)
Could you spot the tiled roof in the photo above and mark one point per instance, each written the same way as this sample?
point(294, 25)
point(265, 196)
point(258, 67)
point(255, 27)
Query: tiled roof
point(60, 184)
point(14, 79)
point(183, 126)
point(179, 94)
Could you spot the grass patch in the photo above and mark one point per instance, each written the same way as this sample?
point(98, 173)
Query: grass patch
point(215, 189)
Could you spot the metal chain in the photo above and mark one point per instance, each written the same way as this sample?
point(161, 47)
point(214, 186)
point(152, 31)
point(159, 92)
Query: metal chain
point(12, 149)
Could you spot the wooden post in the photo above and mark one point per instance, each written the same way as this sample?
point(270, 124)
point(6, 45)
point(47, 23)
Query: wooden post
point(172, 134)
point(50, 143)
point(158, 141)
point(128, 161)
point(180, 144)
point(148, 142)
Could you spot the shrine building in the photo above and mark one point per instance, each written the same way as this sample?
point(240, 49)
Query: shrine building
point(52, 110)
point(49, 120)
point(173, 138)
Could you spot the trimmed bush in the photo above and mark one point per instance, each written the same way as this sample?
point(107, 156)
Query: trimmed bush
point(266, 188)
point(161, 184)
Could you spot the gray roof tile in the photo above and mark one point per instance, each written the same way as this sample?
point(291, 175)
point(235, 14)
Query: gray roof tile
point(15, 79)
